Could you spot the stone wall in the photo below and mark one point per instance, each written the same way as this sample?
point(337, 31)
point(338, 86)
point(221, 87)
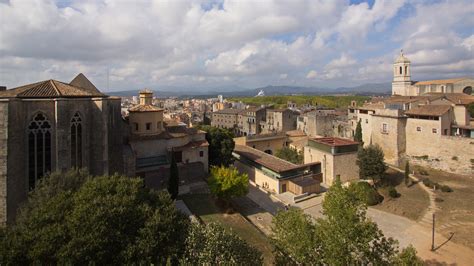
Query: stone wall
point(3, 161)
point(451, 154)
point(392, 141)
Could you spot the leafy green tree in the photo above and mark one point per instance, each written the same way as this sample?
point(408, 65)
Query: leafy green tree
point(371, 163)
point(366, 193)
point(347, 237)
point(408, 257)
point(173, 182)
point(211, 244)
point(290, 155)
point(106, 220)
point(221, 145)
point(407, 174)
point(358, 133)
point(226, 182)
point(470, 108)
point(294, 238)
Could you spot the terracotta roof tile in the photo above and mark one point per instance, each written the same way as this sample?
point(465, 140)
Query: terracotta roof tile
point(439, 81)
point(271, 162)
point(144, 108)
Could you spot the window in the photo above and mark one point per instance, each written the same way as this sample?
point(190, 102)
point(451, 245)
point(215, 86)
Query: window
point(384, 128)
point(366, 121)
point(39, 149)
point(201, 153)
point(400, 70)
point(76, 141)
point(406, 70)
point(435, 130)
point(418, 129)
point(136, 126)
point(148, 126)
point(178, 156)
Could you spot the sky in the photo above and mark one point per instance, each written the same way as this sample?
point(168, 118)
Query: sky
point(133, 44)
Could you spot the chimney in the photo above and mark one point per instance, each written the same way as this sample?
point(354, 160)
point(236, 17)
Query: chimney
point(3, 88)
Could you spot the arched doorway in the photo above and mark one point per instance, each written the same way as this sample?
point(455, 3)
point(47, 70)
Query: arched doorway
point(269, 152)
point(467, 90)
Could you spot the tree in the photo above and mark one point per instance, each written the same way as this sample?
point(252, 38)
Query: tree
point(290, 155)
point(344, 236)
point(407, 174)
point(470, 108)
point(371, 163)
point(358, 133)
point(408, 257)
point(211, 244)
point(221, 145)
point(226, 182)
point(173, 182)
point(294, 238)
point(106, 220)
point(347, 237)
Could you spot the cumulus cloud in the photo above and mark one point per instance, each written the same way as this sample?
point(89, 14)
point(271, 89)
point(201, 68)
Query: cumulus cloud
point(208, 43)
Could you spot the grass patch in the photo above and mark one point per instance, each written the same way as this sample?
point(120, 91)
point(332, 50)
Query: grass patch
point(204, 206)
point(413, 200)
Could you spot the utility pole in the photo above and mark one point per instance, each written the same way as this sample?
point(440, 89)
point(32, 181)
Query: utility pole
point(433, 234)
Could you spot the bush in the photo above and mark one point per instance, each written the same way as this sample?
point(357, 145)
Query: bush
point(446, 188)
point(439, 200)
point(454, 158)
point(366, 193)
point(392, 192)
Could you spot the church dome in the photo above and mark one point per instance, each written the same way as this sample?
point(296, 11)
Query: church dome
point(402, 58)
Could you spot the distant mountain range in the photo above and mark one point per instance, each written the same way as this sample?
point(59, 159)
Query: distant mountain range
point(365, 89)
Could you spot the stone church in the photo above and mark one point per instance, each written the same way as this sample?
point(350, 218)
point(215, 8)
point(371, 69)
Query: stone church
point(54, 126)
point(402, 84)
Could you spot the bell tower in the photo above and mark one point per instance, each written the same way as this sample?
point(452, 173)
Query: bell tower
point(401, 76)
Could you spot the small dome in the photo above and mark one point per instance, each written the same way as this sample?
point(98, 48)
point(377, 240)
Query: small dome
point(402, 58)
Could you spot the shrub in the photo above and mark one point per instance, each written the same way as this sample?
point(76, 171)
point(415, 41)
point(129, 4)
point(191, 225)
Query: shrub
point(454, 158)
point(446, 188)
point(439, 200)
point(366, 193)
point(427, 182)
point(392, 192)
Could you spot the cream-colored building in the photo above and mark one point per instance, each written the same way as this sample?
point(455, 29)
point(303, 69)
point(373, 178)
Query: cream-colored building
point(249, 121)
point(152, 141)
point(276, 175)
point(404, 86)
point(337, 156)
point(279, 120)
point(226, 118)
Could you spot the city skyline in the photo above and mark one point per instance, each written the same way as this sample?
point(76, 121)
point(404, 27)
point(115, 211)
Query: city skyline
point(207, 44)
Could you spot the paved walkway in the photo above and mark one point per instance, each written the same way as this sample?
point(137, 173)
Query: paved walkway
point(404, 230)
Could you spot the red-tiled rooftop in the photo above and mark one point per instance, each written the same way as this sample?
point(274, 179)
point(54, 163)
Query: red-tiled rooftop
point(333, 141)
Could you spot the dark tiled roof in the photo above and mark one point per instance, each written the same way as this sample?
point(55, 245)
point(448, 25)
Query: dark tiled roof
point(429, 110)
point(271, 162)
point(53, 89)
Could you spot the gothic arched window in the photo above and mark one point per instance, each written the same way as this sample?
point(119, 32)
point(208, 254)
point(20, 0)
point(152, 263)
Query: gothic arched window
point(39, 148)
point(406, 70)
point(401, 70)
point(76, 141)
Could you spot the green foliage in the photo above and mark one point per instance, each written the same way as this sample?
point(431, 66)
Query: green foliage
point(358, 133)
point(408, 257)
point(345, 236)
point(226, 182)
point(211, 244)
point(281, 101)
point(423, 172)
point(371, 163)
point(470, 108)
point(392, 192)
point(290, 155)
point(107, 220)
point(364, 192)
point(294, 237)
point(221, 145)
point(407, 175)
point(446, 188)
point(454, 158)
point(173, 182)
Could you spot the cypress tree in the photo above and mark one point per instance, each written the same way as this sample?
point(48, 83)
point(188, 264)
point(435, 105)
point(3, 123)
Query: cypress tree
point(173, 182)
point(407, 174)
point(358, 133)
